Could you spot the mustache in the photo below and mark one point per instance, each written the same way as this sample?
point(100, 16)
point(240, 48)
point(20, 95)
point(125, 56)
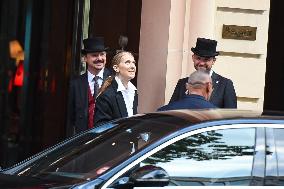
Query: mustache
point(98, 61)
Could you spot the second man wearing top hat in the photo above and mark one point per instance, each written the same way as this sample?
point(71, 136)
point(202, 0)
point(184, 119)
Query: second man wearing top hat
point(223, 95)
point(84, 88)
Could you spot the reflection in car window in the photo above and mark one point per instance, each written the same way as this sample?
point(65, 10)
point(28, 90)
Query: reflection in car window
point(279, 142)
point(223, 157)
point(92, 154)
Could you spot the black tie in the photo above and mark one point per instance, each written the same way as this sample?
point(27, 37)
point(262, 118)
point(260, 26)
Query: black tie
point(96, 86)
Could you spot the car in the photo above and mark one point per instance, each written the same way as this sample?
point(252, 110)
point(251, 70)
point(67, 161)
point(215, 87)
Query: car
point(219, 147)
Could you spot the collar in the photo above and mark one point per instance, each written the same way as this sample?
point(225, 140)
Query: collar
point(195, 96)
point(91, 76)
point(101, 73)
point(120, 86)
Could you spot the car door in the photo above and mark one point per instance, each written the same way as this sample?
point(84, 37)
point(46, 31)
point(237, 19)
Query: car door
point(274, 172)
point(212, 156)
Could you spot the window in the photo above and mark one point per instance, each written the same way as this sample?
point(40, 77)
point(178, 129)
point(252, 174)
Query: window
point(222, 157)
point(93, 153)
point(279, 143)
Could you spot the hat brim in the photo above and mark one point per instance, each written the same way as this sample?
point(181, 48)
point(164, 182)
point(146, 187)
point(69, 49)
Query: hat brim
point(85, 51)
point(203, 53)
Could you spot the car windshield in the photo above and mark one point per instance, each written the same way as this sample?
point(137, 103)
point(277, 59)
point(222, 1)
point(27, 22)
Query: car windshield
point(91, 154)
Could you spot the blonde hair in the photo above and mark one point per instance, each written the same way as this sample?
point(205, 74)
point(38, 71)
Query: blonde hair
point(117, 58)
point(105, 85)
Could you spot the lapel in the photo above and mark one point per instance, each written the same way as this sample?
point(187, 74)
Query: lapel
point(83, 88)
point(135, 103)
point(119, 100)
point(216, 83)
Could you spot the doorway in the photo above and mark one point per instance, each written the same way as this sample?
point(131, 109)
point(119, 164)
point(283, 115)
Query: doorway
point(112, 19)
point(33, 91)
point(50, 33)
point(274, 79)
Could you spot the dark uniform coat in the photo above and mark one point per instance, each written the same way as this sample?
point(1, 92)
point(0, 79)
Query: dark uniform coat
point(223, 95)
point(191, 101)
point(77, 118)
point(110, 105)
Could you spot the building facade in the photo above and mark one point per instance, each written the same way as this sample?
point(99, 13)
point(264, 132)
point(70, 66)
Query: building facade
point(165, 56)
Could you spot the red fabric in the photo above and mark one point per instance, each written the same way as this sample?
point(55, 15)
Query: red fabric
point(91, 102)
point(19, 76)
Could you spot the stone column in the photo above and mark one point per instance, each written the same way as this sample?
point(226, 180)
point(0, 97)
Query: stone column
point(153, 52)
point(201, 24)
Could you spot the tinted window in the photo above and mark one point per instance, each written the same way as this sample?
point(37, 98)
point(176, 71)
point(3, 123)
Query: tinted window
point(93, 153)
point(279, 143)
point(223, 157)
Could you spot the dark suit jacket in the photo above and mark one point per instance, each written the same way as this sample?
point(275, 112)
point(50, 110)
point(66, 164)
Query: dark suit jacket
point(77, 118)
point(223, 95)
point(111, 105)
point(191, 101)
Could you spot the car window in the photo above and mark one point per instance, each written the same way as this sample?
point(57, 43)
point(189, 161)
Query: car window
point(279, 144)
point(92, 154)
point(222, 157)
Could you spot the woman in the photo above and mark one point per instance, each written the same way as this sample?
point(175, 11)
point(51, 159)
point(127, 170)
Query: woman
point(118, 96)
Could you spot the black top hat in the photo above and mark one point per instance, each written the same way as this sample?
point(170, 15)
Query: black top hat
point(95, 44)
point(205, 48)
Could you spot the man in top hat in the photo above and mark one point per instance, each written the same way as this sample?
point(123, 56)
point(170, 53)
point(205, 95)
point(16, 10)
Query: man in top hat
point(84, 88)
point(223, 95)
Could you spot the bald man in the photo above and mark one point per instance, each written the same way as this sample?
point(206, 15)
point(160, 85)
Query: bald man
point(199, 90)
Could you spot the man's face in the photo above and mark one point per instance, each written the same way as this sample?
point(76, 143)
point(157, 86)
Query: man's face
point(203, 63)
point(96, 60)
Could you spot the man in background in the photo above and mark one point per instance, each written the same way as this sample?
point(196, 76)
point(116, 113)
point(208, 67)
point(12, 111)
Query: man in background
point(204, 57)
point(84, 88)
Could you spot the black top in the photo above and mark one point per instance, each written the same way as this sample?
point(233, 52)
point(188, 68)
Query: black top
point(111, 105)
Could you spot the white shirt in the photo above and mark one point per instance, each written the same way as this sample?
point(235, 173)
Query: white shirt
point(128, 95)
point(91, 80)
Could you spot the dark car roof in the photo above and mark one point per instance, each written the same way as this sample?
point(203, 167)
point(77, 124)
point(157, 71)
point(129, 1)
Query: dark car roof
point(196, 116)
